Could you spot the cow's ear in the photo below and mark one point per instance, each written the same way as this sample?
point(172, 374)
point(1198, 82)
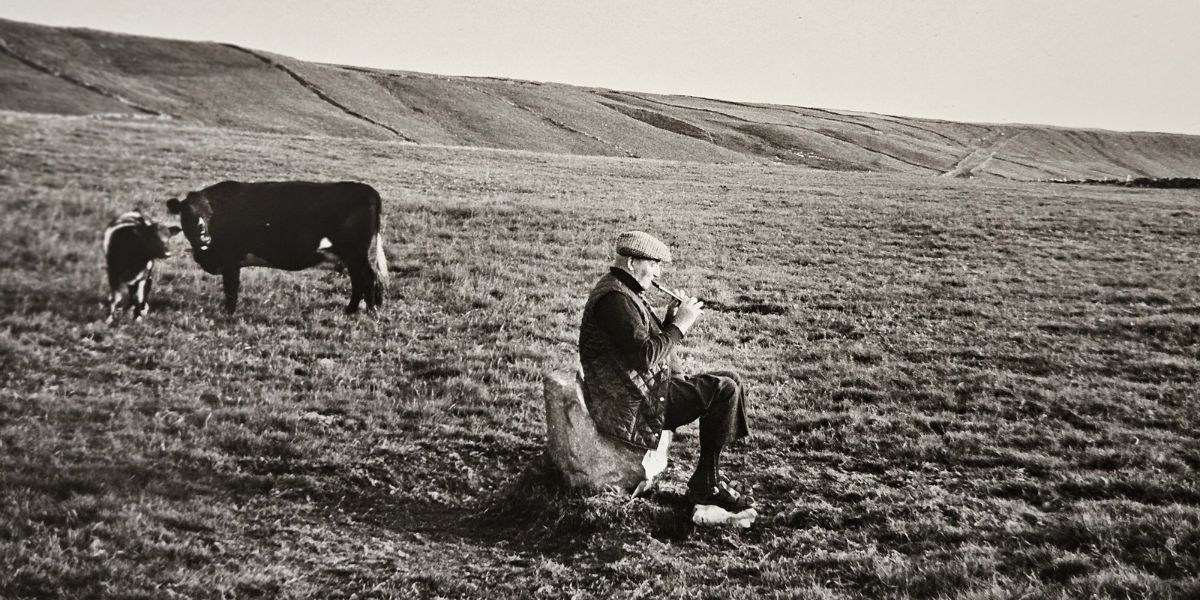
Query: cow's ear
point(173, 206)
point(172, 230)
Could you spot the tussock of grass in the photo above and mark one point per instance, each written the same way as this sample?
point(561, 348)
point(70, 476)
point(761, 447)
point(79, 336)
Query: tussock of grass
point(539, 504)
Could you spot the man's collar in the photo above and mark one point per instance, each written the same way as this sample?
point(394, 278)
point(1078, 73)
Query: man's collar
point(624, 277)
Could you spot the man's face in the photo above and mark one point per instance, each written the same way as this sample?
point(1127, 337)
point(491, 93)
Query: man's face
point(645, 270)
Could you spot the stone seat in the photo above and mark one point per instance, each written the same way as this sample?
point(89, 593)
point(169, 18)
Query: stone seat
point(586, 458)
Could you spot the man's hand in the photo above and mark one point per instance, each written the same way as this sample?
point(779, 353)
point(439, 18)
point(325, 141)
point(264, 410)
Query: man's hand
point(687, 312)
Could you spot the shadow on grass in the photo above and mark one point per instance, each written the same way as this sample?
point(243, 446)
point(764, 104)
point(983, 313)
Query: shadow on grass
point(535, 512)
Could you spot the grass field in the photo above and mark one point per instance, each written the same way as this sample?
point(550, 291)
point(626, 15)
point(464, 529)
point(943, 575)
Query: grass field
point(962, 388)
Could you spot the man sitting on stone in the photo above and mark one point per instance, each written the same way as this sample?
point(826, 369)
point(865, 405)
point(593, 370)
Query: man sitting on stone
point(632, 389)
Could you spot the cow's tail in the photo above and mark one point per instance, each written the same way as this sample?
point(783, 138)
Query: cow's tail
point(381, 266)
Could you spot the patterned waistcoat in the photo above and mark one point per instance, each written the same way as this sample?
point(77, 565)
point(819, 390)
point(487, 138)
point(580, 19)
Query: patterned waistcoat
point(625, 402)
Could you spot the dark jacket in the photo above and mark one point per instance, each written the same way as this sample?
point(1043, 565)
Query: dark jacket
point(626, 353)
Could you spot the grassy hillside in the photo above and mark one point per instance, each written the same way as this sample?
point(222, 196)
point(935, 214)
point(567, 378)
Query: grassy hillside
point(79, 71)
point(968, 389)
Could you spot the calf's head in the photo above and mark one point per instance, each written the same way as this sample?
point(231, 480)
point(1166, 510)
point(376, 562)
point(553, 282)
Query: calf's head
point(156, 236)
point(150, 240)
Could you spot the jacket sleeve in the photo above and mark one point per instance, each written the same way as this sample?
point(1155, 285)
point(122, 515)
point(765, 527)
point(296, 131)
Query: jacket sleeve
point(620, 320)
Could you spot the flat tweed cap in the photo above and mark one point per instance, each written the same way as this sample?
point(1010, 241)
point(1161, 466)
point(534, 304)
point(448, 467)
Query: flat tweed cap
point(640, 244)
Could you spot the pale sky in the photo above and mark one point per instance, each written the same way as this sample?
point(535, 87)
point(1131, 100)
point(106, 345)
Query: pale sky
point(1124, 65)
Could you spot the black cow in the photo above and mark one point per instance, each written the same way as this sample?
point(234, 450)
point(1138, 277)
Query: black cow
point(290, 225)
point(132, 243)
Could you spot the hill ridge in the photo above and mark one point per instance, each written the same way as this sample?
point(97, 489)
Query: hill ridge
point(79, 71)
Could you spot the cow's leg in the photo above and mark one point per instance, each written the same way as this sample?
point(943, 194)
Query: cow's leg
point(132, 305)
point(231, 279)
point(142, 308)
point(364, 283)
point(367, 284)
point(368, 280)
point(114, 299)
point(356, 287)
point(374, 291)
point(376, 294)
point(372, 288)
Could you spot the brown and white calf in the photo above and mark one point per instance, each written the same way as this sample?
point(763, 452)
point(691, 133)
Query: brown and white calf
point(132, 243)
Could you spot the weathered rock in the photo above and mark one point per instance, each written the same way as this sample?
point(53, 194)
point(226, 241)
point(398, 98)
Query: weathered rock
point(585, 457)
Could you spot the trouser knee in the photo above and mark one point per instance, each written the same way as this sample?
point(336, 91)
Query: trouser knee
point(729, 388)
